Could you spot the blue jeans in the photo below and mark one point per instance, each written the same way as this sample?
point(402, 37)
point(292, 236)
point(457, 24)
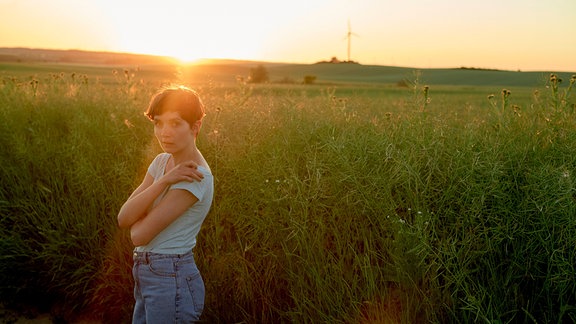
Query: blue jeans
point(168, 288)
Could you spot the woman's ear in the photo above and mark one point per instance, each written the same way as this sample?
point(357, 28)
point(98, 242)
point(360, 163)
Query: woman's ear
point(196, 127)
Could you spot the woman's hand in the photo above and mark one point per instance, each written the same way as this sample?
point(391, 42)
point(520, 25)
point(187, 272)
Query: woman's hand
point(185, 171)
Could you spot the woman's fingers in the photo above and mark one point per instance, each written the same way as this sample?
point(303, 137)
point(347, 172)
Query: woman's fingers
point(190, 169)
point(185, 171)
point(191, 164)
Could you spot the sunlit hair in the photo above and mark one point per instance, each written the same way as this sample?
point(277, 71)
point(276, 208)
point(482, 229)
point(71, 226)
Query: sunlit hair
point(180, 99)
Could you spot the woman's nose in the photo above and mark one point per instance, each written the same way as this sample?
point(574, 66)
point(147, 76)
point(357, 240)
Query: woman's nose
point(165, 131)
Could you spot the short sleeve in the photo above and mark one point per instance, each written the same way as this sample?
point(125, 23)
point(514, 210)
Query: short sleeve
point(198, 189)
point(156, 168)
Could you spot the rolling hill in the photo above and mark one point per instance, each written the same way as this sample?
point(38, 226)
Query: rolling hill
point(324, 72)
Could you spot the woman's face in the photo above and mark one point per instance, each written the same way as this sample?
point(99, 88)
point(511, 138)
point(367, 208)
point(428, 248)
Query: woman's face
point(173, 133)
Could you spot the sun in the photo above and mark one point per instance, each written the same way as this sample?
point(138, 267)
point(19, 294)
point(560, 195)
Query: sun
point(188, 32)
point(184, 57)
point(187, 51)
point(214, 45)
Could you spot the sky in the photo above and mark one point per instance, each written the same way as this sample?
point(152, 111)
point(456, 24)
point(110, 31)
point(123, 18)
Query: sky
point(527, 35)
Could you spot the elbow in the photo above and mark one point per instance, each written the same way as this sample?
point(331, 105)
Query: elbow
point(122, 223)
point(126, 219)
point(137, 238)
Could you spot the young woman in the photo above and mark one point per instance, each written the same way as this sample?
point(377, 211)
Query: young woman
point(165, 213)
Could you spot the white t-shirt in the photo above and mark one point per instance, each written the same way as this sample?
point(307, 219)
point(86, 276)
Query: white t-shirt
point(180, 236)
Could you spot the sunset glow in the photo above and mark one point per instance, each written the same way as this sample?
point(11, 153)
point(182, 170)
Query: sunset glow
point(516, 34)
point(185, 30)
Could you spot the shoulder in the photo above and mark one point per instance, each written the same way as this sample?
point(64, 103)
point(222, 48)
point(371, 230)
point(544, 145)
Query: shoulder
point(205, 170)
point(198, 188)
point(162, 157)
point(158, 163)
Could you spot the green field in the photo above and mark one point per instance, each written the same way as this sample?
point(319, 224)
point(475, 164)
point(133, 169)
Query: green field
point(374, 195)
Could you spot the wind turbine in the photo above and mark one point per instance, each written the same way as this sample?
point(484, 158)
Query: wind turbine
point(349, 38)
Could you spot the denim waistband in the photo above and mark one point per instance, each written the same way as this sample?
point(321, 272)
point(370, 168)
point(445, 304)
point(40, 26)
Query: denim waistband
point(145, 257)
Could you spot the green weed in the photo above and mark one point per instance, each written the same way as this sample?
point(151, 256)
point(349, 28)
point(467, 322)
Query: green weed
point(333, 204)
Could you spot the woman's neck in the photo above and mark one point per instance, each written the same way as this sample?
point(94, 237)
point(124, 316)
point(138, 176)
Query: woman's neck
point(186, 155)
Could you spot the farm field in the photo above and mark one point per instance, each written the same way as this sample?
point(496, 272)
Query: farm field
point(392, 197)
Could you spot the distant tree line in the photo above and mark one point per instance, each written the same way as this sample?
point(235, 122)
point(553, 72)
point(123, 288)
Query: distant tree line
point(335, 60)
point(259, 74)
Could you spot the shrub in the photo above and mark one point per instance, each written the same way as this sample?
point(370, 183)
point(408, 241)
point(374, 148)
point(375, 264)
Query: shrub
point(258, 74)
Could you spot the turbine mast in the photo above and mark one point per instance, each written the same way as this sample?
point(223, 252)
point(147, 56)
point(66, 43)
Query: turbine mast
point(349, 37)
point(349, 40)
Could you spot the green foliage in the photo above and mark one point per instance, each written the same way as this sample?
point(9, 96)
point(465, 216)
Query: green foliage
point(309, 79)
point(343, 204)
point(65, 168)
point(259, 74)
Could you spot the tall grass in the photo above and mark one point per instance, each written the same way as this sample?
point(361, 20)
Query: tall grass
point(65, 166)
point(330, 206)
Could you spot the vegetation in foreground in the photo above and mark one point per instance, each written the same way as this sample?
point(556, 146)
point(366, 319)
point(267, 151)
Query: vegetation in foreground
point(331, 206)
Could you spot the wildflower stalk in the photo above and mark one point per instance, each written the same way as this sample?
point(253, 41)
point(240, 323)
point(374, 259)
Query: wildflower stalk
point(34, 84)
point(492, 101)
point(560, 98)
point(505, 95)
point(421, 95)
point(567, 92)
point(554, 83)
point(426, 98)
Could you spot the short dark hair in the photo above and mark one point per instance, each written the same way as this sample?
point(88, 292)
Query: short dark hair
point(177, 98)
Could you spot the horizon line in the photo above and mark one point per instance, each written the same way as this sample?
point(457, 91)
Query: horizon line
point(329, 61)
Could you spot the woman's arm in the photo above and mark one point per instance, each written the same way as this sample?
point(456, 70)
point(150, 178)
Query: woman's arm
point(140, 201)
point(138, 204)
point(173, 204)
